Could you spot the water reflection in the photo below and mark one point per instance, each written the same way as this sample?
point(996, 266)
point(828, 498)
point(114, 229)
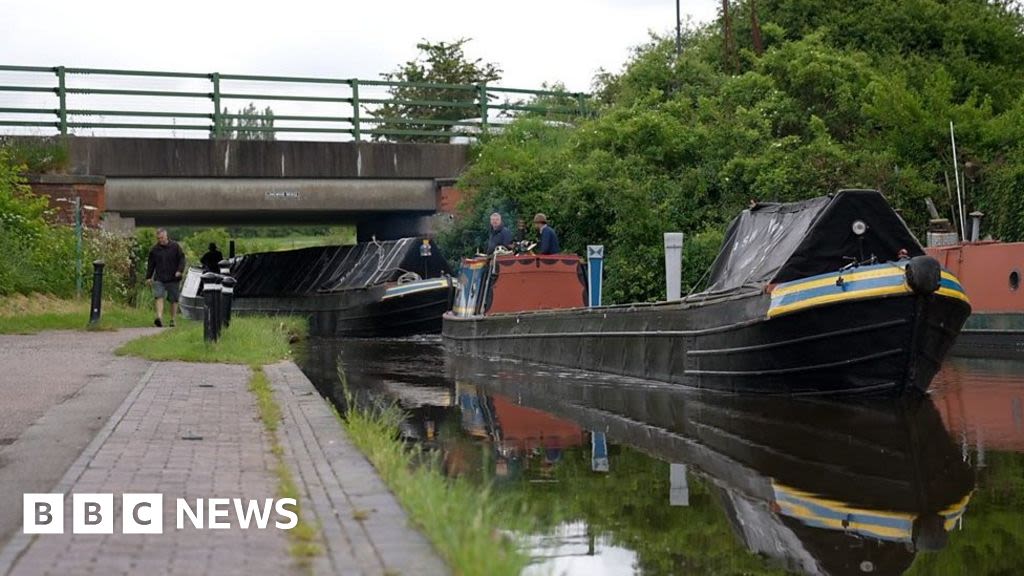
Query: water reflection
point(632, 477)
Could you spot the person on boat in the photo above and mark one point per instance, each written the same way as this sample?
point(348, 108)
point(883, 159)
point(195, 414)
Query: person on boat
point(500, 236)
point(163, 272)
point(548, 238)
point(211, 260)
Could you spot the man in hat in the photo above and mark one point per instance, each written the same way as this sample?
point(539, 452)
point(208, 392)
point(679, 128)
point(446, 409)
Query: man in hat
point(548, 238)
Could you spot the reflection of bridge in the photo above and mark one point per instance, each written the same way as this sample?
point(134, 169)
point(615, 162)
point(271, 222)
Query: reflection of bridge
point(183, 157)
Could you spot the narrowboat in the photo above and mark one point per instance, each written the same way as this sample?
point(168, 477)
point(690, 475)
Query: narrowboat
point(390, 288)
point(822, 485)
point(832, 295)
point(991, 272)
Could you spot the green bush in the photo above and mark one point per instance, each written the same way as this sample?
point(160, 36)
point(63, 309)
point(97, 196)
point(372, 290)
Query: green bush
point(684, 142)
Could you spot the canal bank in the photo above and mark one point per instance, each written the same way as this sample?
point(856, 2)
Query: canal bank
point(185, 430)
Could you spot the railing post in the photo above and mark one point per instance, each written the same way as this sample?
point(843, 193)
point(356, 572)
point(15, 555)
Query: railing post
point(97, 293)
point(211, 306)
point(62, 96)
point(356, 129)
point(217, 120)
point(482, 95)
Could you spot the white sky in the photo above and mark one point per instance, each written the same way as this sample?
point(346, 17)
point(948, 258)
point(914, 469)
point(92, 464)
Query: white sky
point(534, 41)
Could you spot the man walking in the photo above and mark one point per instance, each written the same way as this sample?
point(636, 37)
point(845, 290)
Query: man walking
point(500, 236)
point(163, 273)
point(548, 238)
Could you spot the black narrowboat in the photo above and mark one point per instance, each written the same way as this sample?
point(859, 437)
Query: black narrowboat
point(385, 288)
point(832, 295)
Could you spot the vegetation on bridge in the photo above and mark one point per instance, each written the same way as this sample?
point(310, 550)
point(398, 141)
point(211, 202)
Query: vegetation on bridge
point(855, 94)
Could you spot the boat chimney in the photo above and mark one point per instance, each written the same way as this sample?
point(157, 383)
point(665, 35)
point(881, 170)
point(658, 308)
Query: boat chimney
point(673, 265)
point(976, 217)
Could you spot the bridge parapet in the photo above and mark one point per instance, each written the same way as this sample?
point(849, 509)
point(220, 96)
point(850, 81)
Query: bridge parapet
point(189, 105)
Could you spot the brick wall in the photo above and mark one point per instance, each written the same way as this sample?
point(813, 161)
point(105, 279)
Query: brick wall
point(61, 192)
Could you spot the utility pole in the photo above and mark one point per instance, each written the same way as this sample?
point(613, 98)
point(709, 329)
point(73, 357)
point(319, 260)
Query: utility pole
point(679, 33)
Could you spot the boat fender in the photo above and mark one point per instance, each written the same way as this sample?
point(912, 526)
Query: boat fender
point(923, 274)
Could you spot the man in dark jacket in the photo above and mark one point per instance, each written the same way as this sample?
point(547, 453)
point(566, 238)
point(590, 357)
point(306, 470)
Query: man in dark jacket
point(500, 236)
point(211, 260)
point(163, 272)
point(548, 238)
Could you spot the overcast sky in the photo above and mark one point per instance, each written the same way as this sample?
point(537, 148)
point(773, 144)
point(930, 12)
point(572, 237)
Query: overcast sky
point(534, 41)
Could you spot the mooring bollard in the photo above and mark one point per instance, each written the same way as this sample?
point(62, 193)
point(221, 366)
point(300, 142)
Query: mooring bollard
point(211, 306)
point(97, 293)
point(227, 293)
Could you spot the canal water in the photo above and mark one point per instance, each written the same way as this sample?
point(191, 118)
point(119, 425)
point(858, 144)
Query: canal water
point(625, 476)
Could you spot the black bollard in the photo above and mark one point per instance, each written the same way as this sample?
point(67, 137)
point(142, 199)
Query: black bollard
point(227, 293)
point(225, 267)
point(211, 308)
point(231, 249)
point(97, 293)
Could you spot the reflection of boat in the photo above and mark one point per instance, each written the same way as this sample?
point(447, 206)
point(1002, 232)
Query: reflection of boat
point(991, 274)
point(388, 288)
point(982, 403)
point(515, 431)
point(788, 311)
point(825, 487)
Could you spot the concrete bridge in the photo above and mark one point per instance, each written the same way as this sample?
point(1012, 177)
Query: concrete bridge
point(238, 167)
point(385, 189)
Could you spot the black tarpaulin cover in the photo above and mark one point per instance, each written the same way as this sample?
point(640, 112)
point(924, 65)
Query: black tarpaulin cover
point(332, 268)
point(772, 243)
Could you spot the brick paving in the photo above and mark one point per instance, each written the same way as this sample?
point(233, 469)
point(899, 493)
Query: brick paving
point(342, 486)
point(193, 431)
point(186, 431)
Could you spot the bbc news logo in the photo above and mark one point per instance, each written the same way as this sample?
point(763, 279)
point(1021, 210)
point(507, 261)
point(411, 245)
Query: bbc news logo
point(144, 513)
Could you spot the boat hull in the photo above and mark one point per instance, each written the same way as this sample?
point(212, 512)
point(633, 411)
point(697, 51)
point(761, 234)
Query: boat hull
point(875, 345)
point(376, 311)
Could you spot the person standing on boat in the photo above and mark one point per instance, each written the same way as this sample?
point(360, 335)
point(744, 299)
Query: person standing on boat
point(500, 236)
point(163, 273)
point(548, 238)
point(211, 260)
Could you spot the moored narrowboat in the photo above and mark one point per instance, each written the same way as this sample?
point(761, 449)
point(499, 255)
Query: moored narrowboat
point(832, 295)
point(391, 288)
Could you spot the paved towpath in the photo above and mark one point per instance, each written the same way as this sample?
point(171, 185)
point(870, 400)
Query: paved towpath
point(188, 431)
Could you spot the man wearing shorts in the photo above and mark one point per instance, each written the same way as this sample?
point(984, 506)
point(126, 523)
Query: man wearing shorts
point(166, 265)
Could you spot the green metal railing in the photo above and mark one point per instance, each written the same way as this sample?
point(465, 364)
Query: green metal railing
point(358, 108)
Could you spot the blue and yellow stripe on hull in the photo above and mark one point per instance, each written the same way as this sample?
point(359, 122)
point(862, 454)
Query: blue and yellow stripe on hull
point(814, 510)
point(865, 282)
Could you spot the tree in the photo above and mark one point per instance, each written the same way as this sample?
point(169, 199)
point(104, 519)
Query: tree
point(250, 125)
point(423, 108)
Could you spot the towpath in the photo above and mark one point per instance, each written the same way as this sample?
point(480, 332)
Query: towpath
point(75, 419)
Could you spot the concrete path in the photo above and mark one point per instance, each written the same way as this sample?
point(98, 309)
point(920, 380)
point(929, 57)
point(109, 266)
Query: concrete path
point(57, 389)
point(190, 431)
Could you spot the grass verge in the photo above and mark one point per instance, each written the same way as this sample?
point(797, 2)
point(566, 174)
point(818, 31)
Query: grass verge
point(31, 314)
point(253, 340)
point(462, 521)
point(304, 536)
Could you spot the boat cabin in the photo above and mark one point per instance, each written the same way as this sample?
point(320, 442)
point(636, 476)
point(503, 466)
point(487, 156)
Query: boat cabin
point(517, 282)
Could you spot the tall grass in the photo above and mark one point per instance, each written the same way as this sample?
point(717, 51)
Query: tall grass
point(253, 340)
point(31, 314)
point(462, 520)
